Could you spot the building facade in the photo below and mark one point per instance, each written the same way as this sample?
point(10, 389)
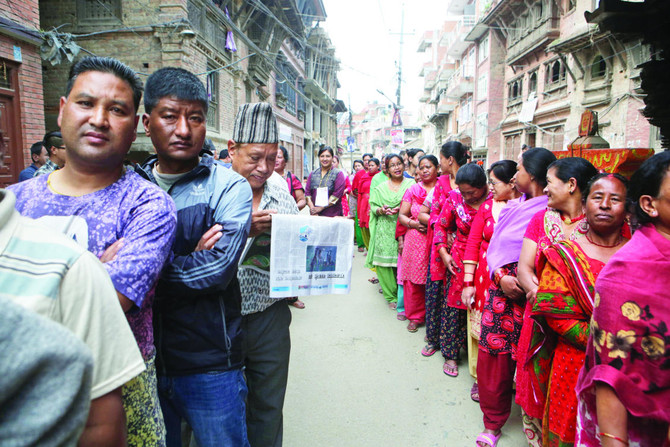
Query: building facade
point(525, 71)
point(21, 92)
point(268, 42)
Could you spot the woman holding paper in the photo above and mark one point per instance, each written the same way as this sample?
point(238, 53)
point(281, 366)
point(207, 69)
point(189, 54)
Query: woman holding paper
point(326, 186)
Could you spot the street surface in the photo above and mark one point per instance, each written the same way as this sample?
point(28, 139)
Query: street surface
point(357, 379)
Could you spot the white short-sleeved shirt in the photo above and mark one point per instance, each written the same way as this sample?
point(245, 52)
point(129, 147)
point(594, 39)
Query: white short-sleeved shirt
point(46, 272)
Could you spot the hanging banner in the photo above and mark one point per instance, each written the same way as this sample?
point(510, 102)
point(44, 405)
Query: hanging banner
point(310, 255)
point(396, 121)
point(398, 137)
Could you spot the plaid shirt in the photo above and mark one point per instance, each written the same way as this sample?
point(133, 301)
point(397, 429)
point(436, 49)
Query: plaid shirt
point(47, 168)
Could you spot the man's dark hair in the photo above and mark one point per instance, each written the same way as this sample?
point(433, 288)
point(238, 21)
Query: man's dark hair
point(36, 149)
point(52, 139)
point(176, 83)
point(367, 155)
point(107, 65)
point(223, 154)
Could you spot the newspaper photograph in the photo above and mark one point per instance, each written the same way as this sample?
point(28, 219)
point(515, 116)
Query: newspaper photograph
point(310, 255)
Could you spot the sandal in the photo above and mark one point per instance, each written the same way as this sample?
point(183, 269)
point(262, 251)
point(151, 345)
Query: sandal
point(298, 304)
point(488, 439)
point(450, 370)
point(393, 306)
point(474, 392)
point(373, 280)
point(412, 326)
point(428, 350)
point(401, 316)
point(361, 249)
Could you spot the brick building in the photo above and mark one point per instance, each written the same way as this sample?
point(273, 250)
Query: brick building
point(21, 98)
point(523, 73)
point(151, 34)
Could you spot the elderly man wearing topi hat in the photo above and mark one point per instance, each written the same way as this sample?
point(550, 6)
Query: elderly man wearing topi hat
point(265, 320)
point(197, 311)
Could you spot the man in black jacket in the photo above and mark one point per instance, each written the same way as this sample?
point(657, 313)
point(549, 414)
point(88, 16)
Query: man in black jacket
point(197, 313)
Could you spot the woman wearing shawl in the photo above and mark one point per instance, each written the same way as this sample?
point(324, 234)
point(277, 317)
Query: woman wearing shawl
point(624, 387)
point(414, 268)
point(564, 219)
point(385, 202)
point(347, 187)
point(453, 155)
point(326, 186)
point(564, 304)
point(476, 277)
point(456, 217)
point(503, 310)
point(364, 200)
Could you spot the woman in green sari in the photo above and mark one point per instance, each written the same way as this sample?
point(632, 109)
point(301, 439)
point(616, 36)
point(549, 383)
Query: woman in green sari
point(385, 201)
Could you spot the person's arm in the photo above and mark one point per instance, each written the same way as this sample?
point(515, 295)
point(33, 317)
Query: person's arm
point(300, 199)
point(199, 272)
point(471, 255)
point(338, 189)
point(405, 213)
point(612, 416)
point(88, 307)
point(147, 238)
point(424, 214)
point(106, 423)
point(527, 277)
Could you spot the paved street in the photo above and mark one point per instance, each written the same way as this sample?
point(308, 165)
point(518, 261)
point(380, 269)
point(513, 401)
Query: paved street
point(357, 378)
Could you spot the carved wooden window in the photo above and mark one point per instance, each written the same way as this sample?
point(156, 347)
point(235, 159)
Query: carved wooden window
point(99, 11)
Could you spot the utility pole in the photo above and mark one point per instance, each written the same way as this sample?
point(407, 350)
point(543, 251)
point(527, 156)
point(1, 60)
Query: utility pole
point(402, 35)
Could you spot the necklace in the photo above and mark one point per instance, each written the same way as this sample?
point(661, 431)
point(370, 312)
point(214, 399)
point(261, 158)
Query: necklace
point(568, 221)
point(618, 241)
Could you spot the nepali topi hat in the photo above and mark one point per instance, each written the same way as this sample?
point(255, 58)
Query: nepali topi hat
point(255, 123)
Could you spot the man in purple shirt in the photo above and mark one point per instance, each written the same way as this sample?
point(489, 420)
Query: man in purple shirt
point(121, 218)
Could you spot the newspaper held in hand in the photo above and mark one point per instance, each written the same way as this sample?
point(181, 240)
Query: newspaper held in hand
point(310, 255)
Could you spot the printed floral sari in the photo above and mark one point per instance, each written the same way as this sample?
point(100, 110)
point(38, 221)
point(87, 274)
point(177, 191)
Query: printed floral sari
point(562, 311)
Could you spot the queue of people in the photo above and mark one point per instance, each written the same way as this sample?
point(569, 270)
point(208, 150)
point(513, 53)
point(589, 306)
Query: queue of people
point(550, 276)
point(532, 272)
point(170, 338)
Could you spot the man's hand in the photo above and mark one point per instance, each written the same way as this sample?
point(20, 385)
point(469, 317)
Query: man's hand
point(210, 238)
point(111, 251)
point(261, 221)
point(314, 210)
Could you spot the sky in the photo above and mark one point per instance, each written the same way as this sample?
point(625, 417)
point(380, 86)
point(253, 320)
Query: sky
point(365, 34)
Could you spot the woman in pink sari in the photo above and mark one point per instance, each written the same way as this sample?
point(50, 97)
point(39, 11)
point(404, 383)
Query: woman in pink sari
point(414, 268)
point(624, 387)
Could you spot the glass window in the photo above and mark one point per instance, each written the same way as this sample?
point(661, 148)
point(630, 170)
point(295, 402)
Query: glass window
point(598, 68)
point(213, 95)
point(532, 83)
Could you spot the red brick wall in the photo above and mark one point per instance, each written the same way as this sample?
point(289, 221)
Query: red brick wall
point(30, 91)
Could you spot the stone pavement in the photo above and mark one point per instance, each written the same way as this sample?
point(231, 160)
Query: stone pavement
point(357, 379)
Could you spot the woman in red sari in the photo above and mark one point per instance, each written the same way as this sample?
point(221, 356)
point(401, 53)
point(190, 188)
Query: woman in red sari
point(364, 200)
point(624, 387)
point(563, 219)
point(564, 304)
point(414, 268)
point(476, 276)
point(453, 155)
point(457, 214)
